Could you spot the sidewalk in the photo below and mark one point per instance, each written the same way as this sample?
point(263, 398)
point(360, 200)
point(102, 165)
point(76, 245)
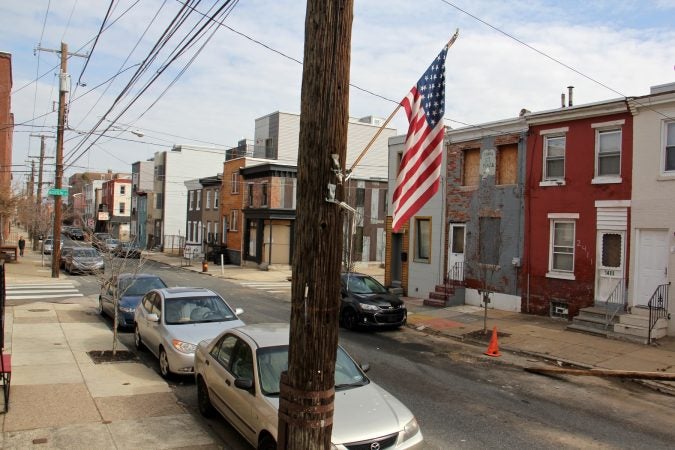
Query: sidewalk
point(61, 399)
point(538, 336)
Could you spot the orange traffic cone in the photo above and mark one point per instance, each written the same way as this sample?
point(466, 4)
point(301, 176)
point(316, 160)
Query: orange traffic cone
point(493, 348)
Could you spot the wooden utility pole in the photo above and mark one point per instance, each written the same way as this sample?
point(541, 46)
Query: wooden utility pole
point(38, 196)
point(307, 388)
point(63, 89)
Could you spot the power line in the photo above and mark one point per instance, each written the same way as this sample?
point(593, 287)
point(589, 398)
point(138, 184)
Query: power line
point(98, 35)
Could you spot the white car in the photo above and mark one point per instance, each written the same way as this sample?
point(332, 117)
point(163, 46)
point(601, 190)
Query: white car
point(237, 373)
point(170, 322)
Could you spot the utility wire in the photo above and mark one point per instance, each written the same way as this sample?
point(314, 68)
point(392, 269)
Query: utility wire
point(93, 47)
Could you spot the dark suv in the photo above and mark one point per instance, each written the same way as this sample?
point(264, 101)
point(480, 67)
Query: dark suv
point(76, 234)
point(365, 302)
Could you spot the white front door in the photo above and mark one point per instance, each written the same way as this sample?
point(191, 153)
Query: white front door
point(456, 251)
point(651, 264)
point(609, 267)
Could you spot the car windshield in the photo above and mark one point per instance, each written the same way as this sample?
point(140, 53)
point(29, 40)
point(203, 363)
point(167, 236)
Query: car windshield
point(112, 241)
point(274, 360)
point(139, 286)
point(85, 253)
point(358, 284)
point(186, 310)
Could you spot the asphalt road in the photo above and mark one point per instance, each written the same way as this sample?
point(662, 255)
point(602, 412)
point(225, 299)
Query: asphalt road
point(461, 399)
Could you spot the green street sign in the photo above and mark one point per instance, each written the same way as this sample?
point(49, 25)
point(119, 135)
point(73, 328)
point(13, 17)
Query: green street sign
point(59, 192)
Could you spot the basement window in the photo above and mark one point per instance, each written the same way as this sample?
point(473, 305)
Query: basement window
point(559, 310)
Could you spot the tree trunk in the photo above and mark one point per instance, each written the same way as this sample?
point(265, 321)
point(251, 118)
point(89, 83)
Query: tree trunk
point(307, 389)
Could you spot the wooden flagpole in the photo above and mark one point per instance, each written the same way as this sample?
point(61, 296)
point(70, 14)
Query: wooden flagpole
point(391, 116)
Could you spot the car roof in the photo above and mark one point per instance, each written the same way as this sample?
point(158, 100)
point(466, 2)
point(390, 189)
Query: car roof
point(178, 292)
point(266, 334)
point(137, 275)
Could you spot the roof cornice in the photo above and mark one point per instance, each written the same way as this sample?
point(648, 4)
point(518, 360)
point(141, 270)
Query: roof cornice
point(578, 112)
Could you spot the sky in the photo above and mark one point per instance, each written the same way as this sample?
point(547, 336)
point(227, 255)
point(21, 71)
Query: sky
point(509, 55)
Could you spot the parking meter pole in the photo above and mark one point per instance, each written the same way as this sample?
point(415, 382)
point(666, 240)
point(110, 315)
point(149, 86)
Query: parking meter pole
point(222, 264)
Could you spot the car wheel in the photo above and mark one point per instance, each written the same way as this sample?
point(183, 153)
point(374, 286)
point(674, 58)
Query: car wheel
point(203, 400)
point(267, 443)
point(164, 368)
point(137, 338)
point(349, 318)
point(100, 306)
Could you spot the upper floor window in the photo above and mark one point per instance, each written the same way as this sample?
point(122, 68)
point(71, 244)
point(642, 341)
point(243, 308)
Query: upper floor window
point(208, 199)
point(250, 194)
point(234, 182)
point(360, 196)
point(608, 153)
point(191, 200)
point(159, 200)
point(123, 189)
point(216, 198)
point(123, 207)
point(669, 148)
point(554, 158)
point(198, 205)
point(264, 194)
point(471, 169)
point(234, 220)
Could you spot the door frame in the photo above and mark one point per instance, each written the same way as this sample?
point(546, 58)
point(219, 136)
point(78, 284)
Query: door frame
point(638, 241)
point(621, 276)
point(449, 254)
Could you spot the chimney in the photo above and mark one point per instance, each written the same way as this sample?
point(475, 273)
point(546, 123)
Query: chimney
point(569, 90)
point(562, 100)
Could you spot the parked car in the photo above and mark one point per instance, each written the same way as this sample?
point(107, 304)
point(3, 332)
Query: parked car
point(48, 245)
point(238, 372)
point(98, 240)
point(127, 250)
point(83, 260)
point(366, 303)
point(76, 234)
point(172, 321)
point(65, 251)
point(130, 288)
point(109, 245)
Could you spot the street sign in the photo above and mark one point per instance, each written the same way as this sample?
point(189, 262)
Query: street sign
point(59, 192)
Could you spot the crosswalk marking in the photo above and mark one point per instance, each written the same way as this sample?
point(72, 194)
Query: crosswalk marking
point(273, 287)
point(40, 291)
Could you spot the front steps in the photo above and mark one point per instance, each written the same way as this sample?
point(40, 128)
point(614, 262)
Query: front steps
point(633, 326)
point(444, 295)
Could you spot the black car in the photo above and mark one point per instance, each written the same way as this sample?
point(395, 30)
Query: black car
point(76, 234)
point(127, 250)
point(366, 303)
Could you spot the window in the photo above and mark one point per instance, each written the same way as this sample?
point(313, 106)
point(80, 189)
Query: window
point(224, 227)
point(611, 250)
point(234, 182)
point(222, 351)
point(250, 194)
point(208, 200)
point(562, 246)
point(190, 236)
point(554, 158)
point(209, 236)
point(608, 153)
point(507, 164)
point(123, 207)
point(216, 199)
point(159, 172)
point(198, 205)
point(123, 189)
point(234, 220)
point(489, 230)
point(264, 194)
point(358, 240)
point(669, 151)
point(423, 239)
point(191, 200)
point(360, 196)
point(471, 167)
point(159, 200)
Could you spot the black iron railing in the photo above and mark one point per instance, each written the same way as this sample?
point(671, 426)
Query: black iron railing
point(658, 307)
point(456, 274)
point(616, 301)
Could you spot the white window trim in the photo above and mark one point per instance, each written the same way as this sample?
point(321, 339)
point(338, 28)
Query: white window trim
point(612, 203)
point(600, 127)
point(667, 174)
point(199, 200)
point(234, 181)
point(610, 124)
point(191, 199)
point(216, 198)
point(208, 199)
point(561, 131)
point(553, 181)
point(561, 217)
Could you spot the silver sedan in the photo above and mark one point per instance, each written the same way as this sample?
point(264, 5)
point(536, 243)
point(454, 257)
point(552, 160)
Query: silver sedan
point(238, 373)
point(170, 322)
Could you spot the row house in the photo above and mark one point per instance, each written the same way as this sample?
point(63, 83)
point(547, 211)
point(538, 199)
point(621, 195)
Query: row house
point(542, 214)
point(6, 131)
point(202, 235)
point(142, 183)
point(116, 200)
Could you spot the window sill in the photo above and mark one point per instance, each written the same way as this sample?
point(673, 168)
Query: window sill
point(606, 180)
point(666, 177)
point(550, 183)
point(561, 275)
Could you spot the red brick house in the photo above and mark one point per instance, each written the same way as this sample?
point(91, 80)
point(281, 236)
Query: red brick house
point(577, 208)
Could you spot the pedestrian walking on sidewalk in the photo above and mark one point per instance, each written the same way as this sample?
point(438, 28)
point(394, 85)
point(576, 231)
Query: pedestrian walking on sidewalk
point(22, 245)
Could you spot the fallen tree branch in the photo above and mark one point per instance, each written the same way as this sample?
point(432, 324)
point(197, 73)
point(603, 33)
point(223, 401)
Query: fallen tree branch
point(663, 376)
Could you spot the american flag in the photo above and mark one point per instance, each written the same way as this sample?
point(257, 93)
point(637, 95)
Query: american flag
point(420, 170)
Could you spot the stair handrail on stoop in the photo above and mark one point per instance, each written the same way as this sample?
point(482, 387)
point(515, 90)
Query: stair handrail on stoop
point(616, 301)
point(658, 307)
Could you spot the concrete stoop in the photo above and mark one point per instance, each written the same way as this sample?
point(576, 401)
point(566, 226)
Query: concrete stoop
point(633, 326)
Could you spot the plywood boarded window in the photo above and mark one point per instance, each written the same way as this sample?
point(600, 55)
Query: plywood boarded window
point(471, 167)
point(507, 164)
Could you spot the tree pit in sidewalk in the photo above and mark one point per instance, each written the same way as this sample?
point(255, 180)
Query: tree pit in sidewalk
point(106, 356)
point(485, 336)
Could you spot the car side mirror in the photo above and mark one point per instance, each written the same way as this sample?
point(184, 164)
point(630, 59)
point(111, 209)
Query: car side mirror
point(365, 367)
point(153, 317)
point(244, 383)
point(239, 311)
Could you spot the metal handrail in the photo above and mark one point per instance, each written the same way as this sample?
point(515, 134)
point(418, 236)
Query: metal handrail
point(616, 301)
point(658, 307)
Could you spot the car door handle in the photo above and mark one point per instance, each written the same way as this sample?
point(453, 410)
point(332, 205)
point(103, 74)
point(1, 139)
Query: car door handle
point(227, 382)
point(208, 363)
